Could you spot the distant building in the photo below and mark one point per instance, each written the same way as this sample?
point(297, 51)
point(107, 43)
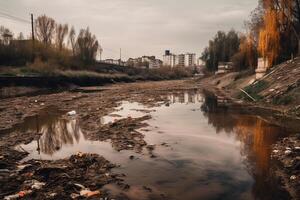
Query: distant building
point(114, 62)
point(182, 60)
point(169, 59)
point(190, 60)
point(224, 67)
point(150, 62)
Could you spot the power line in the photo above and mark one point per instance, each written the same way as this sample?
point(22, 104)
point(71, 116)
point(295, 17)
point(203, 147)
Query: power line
point(12, 17)
point(7, 18)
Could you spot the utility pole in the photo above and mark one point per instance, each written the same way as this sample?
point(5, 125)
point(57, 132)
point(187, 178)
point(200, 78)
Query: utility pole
point(120, 57)
point(32, 30)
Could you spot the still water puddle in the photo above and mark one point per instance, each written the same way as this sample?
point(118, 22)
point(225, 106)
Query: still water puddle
point(202, 151)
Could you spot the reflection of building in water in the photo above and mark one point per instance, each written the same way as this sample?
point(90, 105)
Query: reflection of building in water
point(186, 97)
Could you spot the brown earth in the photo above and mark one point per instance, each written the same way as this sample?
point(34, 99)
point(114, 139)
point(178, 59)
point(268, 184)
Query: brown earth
point(91, 104)
point(38, 179)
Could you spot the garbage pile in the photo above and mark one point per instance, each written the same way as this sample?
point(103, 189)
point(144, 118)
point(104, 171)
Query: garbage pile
point(79, 177)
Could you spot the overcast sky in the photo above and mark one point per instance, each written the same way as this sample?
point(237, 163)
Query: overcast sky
point(139, 27)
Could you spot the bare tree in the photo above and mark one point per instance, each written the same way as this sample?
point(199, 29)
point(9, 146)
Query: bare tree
point(87, 46)
point(5, 35)
point(61, 33)
point(72, 39)
point(45, 29)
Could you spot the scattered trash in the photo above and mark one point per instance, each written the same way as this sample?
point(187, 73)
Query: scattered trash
point(74, 196)
point(12, 197)
point(22, 167)
point(71, 113)
point(79, 154)
point(87, 193)
point(275, 151)
point(52, 194)
point(18, 195)
point(34, 184)
point(35, 101)
point(42, 104)
point(37, 185)
point(293, 177)
point(79, 185)
point(287, 152)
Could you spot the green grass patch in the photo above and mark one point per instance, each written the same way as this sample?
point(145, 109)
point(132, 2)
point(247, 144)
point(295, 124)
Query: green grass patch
point(254, 90)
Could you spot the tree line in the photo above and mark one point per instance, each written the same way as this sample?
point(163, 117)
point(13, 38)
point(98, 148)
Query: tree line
point(55, 42)
point(272, 32)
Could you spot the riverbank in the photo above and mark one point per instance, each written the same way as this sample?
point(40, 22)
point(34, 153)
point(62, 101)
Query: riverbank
point(90, 105)
point(276, 95)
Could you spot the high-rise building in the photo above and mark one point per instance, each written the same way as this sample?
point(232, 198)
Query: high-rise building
point(182, 60)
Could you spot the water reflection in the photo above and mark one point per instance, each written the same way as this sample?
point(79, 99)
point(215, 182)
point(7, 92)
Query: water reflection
point(55, 131)
point(190, 96)
point(58, 133)
point(257, 137)
point(211, 152)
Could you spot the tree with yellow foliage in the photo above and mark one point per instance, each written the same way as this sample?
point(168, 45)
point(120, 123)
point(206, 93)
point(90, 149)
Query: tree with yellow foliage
point(269, 37)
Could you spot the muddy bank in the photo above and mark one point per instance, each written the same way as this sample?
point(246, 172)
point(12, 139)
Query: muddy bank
point(287, 153)
point(87, 170)
point(80, 176)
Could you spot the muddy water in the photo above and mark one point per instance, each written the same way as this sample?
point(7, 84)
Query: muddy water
point(202, 151)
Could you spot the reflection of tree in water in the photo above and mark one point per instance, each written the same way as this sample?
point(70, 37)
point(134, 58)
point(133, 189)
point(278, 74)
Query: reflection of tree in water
point(256, 137)
point(59, 133)
point(55, 131)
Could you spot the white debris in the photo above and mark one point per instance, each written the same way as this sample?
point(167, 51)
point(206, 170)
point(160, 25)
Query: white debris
point(34, 184)
point(35, 101)
point(74, 196)
point(22, 167)
point(293, 177)
point(12, 197)
point(71, 113)
point(287, 152)
point(37, 185)
point(275, 151)
point(79, 185)
point(53, 194)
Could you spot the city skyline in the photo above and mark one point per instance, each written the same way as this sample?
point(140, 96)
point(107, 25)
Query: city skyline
point(144, 27)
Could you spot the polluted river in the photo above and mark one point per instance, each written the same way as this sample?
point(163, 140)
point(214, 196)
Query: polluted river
point(191, 147)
